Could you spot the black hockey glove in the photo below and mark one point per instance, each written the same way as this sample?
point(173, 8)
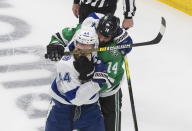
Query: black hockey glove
point(55, 51)
point(126, 41)
point(85, 68)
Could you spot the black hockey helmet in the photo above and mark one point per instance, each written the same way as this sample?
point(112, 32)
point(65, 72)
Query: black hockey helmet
point(108, 25)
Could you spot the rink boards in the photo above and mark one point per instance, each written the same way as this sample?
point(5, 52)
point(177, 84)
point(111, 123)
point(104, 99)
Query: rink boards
point(183, 5)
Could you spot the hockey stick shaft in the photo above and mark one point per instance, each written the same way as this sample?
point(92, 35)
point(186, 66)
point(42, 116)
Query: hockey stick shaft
point(156, 40)
point(131, 94)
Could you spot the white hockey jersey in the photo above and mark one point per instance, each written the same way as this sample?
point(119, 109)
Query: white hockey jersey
point(67, 88)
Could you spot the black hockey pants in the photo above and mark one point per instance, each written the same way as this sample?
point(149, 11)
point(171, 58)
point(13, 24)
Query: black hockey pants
point(111, 109)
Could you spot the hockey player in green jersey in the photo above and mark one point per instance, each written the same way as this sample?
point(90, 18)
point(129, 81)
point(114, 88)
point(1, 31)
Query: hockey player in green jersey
point(109, 34)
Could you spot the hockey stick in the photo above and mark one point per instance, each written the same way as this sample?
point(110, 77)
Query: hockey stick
point(156, 40)
point(131, 93)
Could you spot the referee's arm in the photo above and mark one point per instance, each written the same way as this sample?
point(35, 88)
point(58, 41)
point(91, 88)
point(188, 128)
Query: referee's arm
point(129, 8)
point(129, 11)
point(76, 1)
point(75, 8)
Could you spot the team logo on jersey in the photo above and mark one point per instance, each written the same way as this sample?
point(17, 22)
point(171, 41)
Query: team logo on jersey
point(114, 52)
point(66, 57)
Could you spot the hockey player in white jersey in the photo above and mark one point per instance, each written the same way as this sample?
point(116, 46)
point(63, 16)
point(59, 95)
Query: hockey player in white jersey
point(74, 91)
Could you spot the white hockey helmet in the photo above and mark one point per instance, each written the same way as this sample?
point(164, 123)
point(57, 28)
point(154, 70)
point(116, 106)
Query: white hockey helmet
point(87, 35)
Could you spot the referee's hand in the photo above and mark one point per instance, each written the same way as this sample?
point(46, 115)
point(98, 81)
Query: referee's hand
point(127, 23)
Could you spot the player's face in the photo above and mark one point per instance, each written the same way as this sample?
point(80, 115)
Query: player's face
point(103, 39)
point(80, 46)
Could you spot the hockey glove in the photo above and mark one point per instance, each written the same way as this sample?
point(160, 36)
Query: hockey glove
point(100, 75)
point(126, 41)
point(84, 67)
point(55, 51)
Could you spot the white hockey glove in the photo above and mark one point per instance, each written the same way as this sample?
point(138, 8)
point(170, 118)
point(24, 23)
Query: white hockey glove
point(100, 76)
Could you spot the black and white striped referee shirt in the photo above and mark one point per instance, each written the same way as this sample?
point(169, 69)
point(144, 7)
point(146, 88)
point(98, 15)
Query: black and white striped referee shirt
point(128, 5)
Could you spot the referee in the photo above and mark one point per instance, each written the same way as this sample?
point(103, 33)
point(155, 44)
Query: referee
point(82, 8)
